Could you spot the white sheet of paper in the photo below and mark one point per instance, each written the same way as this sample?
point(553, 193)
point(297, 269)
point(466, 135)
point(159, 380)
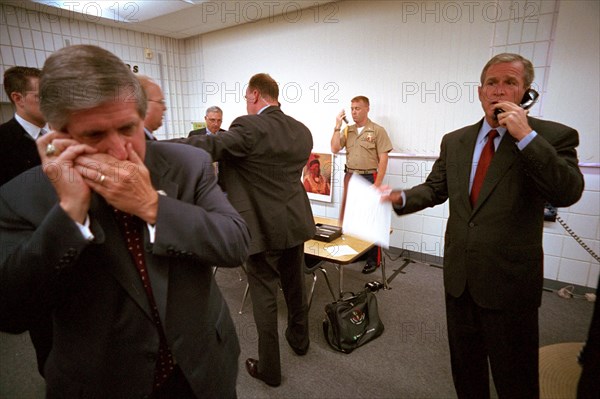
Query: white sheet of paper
point(340, 250)
point(366, 217)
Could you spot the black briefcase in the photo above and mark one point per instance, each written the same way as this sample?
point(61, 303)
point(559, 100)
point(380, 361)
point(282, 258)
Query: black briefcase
point(353, 321)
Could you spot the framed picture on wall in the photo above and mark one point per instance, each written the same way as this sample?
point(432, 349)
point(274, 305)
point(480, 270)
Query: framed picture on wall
point(316, 176)
point(198, 125)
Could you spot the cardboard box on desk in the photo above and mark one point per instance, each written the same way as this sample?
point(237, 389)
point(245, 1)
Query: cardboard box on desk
point(326, 232)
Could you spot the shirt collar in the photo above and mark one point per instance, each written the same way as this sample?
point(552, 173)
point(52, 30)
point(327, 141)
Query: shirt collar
point(30, 128)
point(263, 108)
point(485, 129)
point(149, 134)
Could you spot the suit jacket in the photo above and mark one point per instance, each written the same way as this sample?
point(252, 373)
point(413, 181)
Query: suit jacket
point(18, 151)
point(264, 155)
point(495, 247)
point(200, 132)
point(105, 342)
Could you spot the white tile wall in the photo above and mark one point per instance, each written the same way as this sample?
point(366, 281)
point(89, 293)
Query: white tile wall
point(565, 259)
point(527, 28)
point(30, 37)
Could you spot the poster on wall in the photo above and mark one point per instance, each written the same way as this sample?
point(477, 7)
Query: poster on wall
point(198, 125)
point(316, 176)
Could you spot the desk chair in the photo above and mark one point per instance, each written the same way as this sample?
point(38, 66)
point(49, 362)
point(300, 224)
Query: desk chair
point(243, 267)
point(311, 265)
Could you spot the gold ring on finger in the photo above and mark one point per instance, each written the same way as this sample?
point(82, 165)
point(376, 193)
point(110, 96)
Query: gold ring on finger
point(51, 150)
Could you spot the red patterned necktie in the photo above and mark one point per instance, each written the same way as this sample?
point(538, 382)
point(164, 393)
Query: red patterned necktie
point(132, 226)
point(482, 166)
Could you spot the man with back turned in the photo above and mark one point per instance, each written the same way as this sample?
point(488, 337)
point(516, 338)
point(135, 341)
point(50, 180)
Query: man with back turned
point(265, 152)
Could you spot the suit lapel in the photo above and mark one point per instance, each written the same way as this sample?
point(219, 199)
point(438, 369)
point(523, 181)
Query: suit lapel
point(115, 253)
point(159, 273)
point(465, 157)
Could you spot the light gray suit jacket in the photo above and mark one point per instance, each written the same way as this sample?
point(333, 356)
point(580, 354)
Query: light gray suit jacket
point(105, 342)
point(495, 247)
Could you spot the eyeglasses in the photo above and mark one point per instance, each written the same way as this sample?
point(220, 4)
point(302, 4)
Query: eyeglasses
point(161, 102)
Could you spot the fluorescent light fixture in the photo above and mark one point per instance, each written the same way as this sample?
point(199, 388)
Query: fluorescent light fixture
point(120, 11)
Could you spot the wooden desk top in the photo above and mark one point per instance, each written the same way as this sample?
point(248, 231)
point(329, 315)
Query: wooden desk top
point(317, 248)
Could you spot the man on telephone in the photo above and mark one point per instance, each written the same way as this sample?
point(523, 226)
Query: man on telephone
point(367, 147)
point(493, 257)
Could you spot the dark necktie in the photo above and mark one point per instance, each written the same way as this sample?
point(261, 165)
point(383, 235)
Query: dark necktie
point(482, 166)
point(131, 227)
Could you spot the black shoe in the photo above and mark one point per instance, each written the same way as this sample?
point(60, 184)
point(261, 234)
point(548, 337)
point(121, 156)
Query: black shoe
point(297, 351)
point(252, 369)
point(369, 268)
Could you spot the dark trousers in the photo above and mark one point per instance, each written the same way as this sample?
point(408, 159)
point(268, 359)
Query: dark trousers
point(507, 339)
point(374, 254)
point(266, 270)
point(589, 383)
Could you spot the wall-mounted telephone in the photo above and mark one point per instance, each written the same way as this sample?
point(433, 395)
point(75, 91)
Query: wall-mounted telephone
point(550, 213)
point(527, 101)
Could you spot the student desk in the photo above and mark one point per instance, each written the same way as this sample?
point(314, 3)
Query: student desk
point(317, 249)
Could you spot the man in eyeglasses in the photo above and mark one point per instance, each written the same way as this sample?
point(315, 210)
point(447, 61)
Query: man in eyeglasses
point(156, 106)
point(213, 119)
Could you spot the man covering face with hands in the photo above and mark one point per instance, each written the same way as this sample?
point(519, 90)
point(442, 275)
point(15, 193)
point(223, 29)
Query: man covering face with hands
point(115, 240)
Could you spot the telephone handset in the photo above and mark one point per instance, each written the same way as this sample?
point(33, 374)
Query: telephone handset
point(527, 101)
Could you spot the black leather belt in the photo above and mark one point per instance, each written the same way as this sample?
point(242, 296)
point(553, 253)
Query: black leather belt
point(360, 171)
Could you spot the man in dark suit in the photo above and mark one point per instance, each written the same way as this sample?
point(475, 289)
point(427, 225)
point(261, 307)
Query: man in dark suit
point(493, 257)
point(157, 106)
point(116, 240)
point(18, 152)
point(265, 153)
point(213, 119)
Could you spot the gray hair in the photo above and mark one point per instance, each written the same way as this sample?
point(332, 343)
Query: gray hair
point(214, 108)
point(145, 82)
point(528, 74)
point(81, 77)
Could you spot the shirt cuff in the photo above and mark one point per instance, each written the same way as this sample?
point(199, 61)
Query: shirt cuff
point(399, 207)
point(526, 140)
point(151, 232)
point(85, 229)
